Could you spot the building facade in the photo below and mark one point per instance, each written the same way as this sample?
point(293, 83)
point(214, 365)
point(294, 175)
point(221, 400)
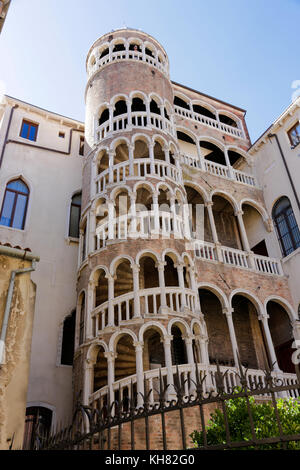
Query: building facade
point(175, 263)
point(276, 157)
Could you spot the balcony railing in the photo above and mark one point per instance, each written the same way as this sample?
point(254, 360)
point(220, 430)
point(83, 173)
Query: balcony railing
point(128, 55)
point(238, 258)
point(219, 170)
point(138, 119)
point(207, 373)
point(150, 302)
point(206, 121)
point(141, 168)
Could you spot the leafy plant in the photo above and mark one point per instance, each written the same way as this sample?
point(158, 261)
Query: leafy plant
point(264, 420)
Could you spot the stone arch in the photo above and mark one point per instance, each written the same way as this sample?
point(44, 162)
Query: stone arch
point(206, 105)
point(284, 303)
point(103, 50)
point(154, 325)
point(225, 195)
point(118, 334)
point(97, 268)
point(199, 189)
point(249, 295)
point(215, 290)
point(152, 254)
point(185, 328)
point(144, 184)
point(231, 116)
point(182, 97)
point(188, 132)
point(93, 350)
point(256, 205)
point(207, 138)
point(117, 141)
point(201, 325)
point(116, 191)
point(117, 261)
point(174, 255)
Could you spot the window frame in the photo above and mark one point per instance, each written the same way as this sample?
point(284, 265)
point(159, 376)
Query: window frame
point(70, 215)
point(81, 145)
point(283, 213)
point(292, 143)
point(30, 124)
point(16, 193)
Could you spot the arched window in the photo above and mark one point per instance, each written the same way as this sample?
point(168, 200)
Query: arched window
point(67, 348)
point(14, 207)
point(75, 216)
point(286, 226)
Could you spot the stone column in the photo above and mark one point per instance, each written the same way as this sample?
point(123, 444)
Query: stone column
point(156, 214)
point(239, 215)
point(90, 307)
point(139, 372)
point(111, 219)
point(92, 231)
point(129, 122)
point(144, 52)
point(230, 170)
point(168, 361)
point(161, 275)
point(190, 358)
point(264, 319)
point(111, 282)
point(136, 287)
point(162, 113)
point(111, 113)
point(111, 357)
point(209, 205)
point(167, 160)
point(87, 381)
point(148, 112)
point(245, 241)
point(111, 155)
point(200, 157)
point(133, 233)
point(181, 284)
point(174, 217)
point(228, 312)
point(151, 156)
point(194, 288)
point(131, 160)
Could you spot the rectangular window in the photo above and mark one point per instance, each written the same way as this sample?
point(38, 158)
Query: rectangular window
point(29, 130)
point(81, 145)
point(294, 135)
point(61, 135)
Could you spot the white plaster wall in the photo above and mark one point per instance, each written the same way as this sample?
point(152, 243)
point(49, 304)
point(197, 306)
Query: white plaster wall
point(52, 179)
point(273, 178)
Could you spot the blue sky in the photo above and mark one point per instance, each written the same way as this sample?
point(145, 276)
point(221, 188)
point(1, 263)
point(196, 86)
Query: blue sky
point(240, 51)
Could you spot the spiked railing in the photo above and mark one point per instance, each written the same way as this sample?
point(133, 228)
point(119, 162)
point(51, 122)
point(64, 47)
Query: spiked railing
point(102, 428)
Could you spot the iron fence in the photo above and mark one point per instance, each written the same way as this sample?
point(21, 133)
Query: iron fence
point(103, 429)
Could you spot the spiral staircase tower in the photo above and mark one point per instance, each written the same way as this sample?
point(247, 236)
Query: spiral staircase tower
point(152, 148)
point(123, 288)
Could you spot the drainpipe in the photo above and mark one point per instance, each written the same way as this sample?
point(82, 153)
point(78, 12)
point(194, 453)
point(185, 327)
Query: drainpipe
point(7, 131)
point(286, 167)
point(4, 250)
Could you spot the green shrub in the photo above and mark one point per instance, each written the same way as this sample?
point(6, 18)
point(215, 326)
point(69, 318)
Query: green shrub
point(264, 419)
